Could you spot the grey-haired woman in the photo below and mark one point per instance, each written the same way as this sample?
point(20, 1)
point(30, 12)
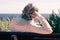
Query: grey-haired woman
point(26, 23)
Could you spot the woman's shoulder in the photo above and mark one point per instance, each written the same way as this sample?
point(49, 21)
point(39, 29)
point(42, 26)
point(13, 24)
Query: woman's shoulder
point(18, 19)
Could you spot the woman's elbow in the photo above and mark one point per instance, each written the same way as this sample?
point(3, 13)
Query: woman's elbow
point(49, 32)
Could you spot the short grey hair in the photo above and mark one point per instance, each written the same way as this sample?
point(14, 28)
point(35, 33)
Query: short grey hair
point(28, 9)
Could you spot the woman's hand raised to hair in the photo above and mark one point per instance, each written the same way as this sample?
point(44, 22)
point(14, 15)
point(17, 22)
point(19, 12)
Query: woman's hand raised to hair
point(34, 14)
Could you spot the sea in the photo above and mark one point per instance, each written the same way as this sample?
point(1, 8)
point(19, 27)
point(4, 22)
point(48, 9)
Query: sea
point(16, 15)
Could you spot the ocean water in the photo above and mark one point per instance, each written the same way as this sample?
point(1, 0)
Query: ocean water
point(9, 15)
point(17, 15)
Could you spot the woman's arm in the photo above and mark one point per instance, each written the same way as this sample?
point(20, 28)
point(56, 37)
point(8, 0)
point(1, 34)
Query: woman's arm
point(45, 25)
point(45, 28)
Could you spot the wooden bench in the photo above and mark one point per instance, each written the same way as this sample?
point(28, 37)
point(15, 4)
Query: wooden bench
point(28, 35)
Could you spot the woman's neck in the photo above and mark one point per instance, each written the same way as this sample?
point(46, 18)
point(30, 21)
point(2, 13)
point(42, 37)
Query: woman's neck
point(28, 21)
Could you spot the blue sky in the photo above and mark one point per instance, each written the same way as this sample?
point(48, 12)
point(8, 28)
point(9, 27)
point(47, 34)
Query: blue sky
point(16, 6)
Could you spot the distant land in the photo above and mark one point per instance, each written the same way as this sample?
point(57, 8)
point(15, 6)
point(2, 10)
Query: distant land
point(16, 15)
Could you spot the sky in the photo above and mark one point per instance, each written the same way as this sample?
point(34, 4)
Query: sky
point(16, 6)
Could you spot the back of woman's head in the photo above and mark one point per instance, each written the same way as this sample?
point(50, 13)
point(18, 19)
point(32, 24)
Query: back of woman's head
point(29, 9)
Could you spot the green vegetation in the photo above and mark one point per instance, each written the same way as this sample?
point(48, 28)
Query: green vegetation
point(4, 23)
point(54, 21)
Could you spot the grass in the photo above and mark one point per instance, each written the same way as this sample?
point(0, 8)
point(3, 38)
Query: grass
point(4, 24)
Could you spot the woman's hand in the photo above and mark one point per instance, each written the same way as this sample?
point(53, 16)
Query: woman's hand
point(34, 15)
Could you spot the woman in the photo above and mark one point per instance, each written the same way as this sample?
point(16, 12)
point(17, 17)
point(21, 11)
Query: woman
point(26, 23)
